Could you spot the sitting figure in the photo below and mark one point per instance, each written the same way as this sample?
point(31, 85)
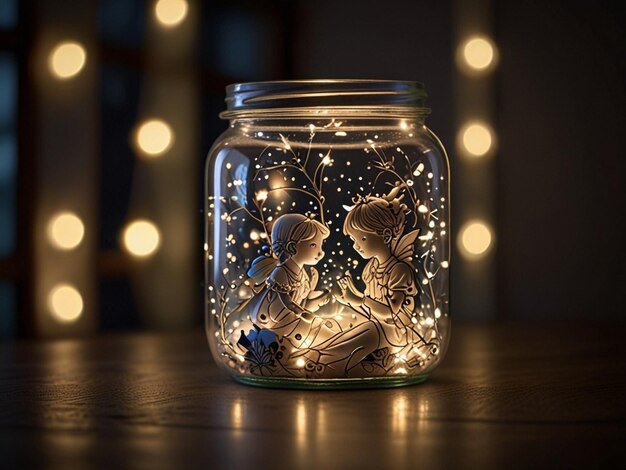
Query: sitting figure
point(391, 296)
point(288, 300)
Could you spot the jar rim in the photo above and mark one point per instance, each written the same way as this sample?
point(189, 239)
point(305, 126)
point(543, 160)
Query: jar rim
point(292, 98)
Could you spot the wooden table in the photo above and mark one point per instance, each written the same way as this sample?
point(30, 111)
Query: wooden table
point(523, 396)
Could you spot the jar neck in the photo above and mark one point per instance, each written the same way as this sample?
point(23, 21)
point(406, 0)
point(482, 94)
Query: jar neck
point(325, 123)
point(326, 99)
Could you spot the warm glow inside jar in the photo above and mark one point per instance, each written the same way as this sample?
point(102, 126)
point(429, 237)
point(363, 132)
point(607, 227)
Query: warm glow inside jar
point(327, 237)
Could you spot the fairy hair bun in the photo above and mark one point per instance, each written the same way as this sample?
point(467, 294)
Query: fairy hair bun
point(378, 215)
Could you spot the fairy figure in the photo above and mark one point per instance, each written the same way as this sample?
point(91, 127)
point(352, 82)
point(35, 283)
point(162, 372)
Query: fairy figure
point(376, 226)
point(288, 299)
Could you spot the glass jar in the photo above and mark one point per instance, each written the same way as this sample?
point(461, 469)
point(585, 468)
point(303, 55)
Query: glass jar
point(327, 235)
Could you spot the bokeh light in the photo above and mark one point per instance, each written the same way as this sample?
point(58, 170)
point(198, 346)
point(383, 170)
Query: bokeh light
point(67, 59)
point(478, 53)
point(154, 137)
point(170, 13)
point(141, 238)
point(65, 231)
point(476, 139)
point(65, 303)
point(475, 239)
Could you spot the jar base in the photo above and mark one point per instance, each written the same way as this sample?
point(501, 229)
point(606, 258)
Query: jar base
point(330, 384)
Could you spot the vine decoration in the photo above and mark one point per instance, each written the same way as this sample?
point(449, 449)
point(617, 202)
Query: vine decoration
point(263, 353)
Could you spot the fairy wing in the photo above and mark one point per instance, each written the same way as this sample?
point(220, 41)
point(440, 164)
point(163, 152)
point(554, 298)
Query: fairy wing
point(406, 246)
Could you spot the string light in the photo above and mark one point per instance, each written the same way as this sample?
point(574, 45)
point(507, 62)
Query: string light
point(141, 238)
point(67, 59)
point(65, 231)
point(65, 303)
point(475, 239)
point(154, 137)
point(171, 13)
point(478, 53)
point(476, 138)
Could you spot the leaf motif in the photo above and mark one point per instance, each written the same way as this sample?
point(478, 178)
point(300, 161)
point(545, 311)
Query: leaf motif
point(285, 142)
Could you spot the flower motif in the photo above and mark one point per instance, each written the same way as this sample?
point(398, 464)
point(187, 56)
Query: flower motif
point(379, 359)
point(261, 349)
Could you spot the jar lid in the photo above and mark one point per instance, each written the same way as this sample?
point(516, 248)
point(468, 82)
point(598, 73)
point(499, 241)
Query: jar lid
point(296, 94)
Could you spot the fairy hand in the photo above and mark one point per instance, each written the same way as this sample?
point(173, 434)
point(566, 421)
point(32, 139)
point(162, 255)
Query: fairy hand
point(347, 284)
point(347, 297)
point(324, 299)
point(351, 285)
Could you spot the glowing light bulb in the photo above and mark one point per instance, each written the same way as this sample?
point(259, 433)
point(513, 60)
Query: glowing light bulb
point(326, 160)
point(141, 238)
point(171, 13)
point(67, 59)
point(478, 53)
point(475, 239)
point(476, 138)
point(65, 303)
point(154, 137)
point(65, 231)
point(261, 195)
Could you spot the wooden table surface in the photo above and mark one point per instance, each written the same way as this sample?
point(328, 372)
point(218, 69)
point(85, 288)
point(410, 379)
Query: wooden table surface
point(527, 395)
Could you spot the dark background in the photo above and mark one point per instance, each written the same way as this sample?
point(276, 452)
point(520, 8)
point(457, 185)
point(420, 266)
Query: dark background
point(557, 97)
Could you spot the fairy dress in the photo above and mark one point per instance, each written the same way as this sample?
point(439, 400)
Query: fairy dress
point(381, 281)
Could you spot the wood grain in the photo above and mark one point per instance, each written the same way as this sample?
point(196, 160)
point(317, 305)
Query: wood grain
point(505, 396)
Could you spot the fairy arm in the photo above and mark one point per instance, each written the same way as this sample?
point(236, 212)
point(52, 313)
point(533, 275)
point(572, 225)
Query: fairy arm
point(320, 298)
point(393, 305)
point(349, 294)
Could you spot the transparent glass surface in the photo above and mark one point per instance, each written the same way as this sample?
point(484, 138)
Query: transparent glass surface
point(122, 22)
point(8, 310)
point(8, 14)
point(327, 249)
point(8, 154)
